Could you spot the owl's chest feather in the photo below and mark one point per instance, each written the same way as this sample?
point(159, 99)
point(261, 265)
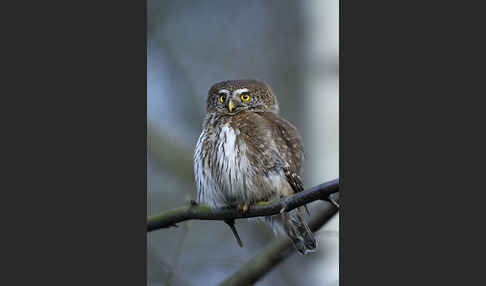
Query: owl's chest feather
point(228, 149)
point(231, 164)
point(222, 169)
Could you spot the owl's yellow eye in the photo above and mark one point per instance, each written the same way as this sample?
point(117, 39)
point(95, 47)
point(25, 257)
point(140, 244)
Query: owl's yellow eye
point(221, 98)
point(245, 97)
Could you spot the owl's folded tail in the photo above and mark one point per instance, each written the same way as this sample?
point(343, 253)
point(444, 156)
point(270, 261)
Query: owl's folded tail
point(299, 232)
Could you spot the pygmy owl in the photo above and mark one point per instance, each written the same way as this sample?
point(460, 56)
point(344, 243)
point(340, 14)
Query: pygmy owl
point(246, 154)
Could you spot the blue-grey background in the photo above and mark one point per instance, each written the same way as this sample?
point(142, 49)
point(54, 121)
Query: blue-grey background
point(292, 45)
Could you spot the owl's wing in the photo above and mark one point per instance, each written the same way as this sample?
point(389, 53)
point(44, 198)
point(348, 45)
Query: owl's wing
point(289, 148)
point(294, 180)
point(274, 145)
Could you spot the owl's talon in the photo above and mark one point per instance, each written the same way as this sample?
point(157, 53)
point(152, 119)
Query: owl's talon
point(243, 208)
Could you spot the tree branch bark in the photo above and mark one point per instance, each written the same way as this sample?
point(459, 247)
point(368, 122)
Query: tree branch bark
point(201, 212)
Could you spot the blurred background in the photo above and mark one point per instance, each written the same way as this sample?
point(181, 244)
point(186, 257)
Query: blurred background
point(292, 45)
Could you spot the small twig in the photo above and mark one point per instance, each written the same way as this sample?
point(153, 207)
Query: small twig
point(231, 224)
point(332, 201)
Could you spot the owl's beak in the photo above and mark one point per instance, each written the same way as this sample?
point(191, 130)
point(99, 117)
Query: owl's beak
point(231, 105)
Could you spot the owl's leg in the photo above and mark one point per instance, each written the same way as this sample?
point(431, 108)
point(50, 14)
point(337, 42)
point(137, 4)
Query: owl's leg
point(242, 207)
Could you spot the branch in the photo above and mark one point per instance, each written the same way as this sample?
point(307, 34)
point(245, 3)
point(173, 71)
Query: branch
point(202, 212)
point(274, 253)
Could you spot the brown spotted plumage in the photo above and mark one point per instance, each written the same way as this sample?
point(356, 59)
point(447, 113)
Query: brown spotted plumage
point(246, 154)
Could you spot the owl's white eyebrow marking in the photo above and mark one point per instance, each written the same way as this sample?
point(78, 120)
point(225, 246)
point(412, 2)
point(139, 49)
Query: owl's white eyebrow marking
point(240, 91)
point(224, 91)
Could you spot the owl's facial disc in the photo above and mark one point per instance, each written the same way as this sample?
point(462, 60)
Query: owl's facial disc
point(234, 101)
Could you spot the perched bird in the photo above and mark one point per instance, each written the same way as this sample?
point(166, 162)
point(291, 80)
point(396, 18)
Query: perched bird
point(246, 154)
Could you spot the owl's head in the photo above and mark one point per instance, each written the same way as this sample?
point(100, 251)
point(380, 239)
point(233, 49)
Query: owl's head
point(232, 96)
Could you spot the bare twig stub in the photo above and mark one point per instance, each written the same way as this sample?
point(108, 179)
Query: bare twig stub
point(201, 212)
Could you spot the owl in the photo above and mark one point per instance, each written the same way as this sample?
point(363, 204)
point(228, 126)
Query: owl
point(246, 154)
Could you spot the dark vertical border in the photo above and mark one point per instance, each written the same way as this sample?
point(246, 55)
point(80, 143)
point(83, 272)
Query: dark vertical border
point(406, 172)
point(80, 144)
point(375, 222)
